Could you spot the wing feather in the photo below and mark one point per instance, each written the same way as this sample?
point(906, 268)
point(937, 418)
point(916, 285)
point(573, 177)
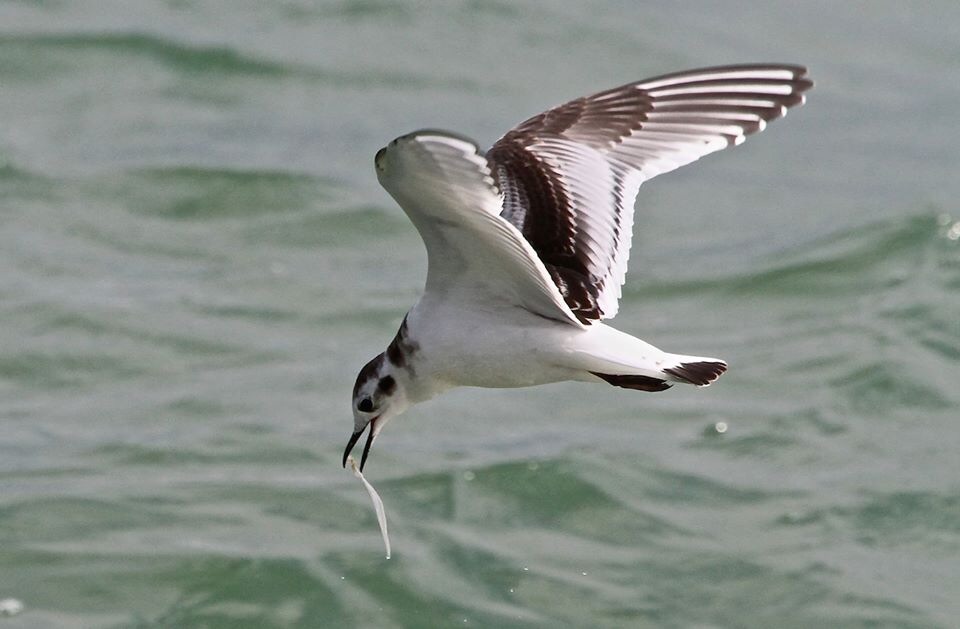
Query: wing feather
point(445, 186)
point(569, 176)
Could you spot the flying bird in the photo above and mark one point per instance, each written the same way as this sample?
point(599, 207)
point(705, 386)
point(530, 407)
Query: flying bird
point(527, 244)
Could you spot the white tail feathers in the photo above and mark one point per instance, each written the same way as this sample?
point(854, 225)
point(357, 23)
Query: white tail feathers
point(685, 369)
point(626, 361)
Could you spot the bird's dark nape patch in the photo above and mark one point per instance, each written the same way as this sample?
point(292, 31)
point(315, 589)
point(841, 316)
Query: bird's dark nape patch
point(700, 374)
point(401, 348)
point(637, 383)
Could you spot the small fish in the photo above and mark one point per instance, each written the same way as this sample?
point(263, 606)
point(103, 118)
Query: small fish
point(377, 502)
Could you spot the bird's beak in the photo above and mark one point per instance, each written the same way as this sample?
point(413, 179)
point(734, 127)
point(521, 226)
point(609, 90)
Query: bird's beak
point(355, 437)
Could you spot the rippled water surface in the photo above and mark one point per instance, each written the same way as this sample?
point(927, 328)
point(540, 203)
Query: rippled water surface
point(196, 258)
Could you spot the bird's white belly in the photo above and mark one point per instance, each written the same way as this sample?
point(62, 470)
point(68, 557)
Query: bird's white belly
point(502, 367)
point(487, 349)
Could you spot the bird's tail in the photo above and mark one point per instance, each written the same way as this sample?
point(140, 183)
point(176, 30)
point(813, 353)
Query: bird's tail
point(626, 361)
point(695, 370)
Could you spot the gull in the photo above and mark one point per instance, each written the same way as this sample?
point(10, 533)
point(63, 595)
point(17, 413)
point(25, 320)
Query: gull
point(527, 244)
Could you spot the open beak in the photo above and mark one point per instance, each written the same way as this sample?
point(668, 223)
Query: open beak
point(355, 437)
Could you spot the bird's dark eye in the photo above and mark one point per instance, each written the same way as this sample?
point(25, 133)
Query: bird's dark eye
point(365, 405)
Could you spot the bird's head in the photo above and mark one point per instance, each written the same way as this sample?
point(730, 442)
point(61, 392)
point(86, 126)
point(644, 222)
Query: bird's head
point(378, 396)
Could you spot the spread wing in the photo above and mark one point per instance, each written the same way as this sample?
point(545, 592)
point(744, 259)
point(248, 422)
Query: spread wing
point(569, 177)
point(474, 256)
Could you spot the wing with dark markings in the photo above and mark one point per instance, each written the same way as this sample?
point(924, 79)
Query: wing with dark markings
point(569, 176)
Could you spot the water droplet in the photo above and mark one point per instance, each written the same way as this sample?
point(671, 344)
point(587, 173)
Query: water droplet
point(468, 475)
point(720, 427)
point(583, 573)
point(10, 607)
point(954, 232)
point(526, 569)
point(511, 590)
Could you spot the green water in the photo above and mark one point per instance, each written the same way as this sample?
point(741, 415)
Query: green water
point(195, 260)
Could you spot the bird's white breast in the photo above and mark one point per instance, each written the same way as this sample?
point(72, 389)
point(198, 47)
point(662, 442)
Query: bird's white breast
point(487, 345)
